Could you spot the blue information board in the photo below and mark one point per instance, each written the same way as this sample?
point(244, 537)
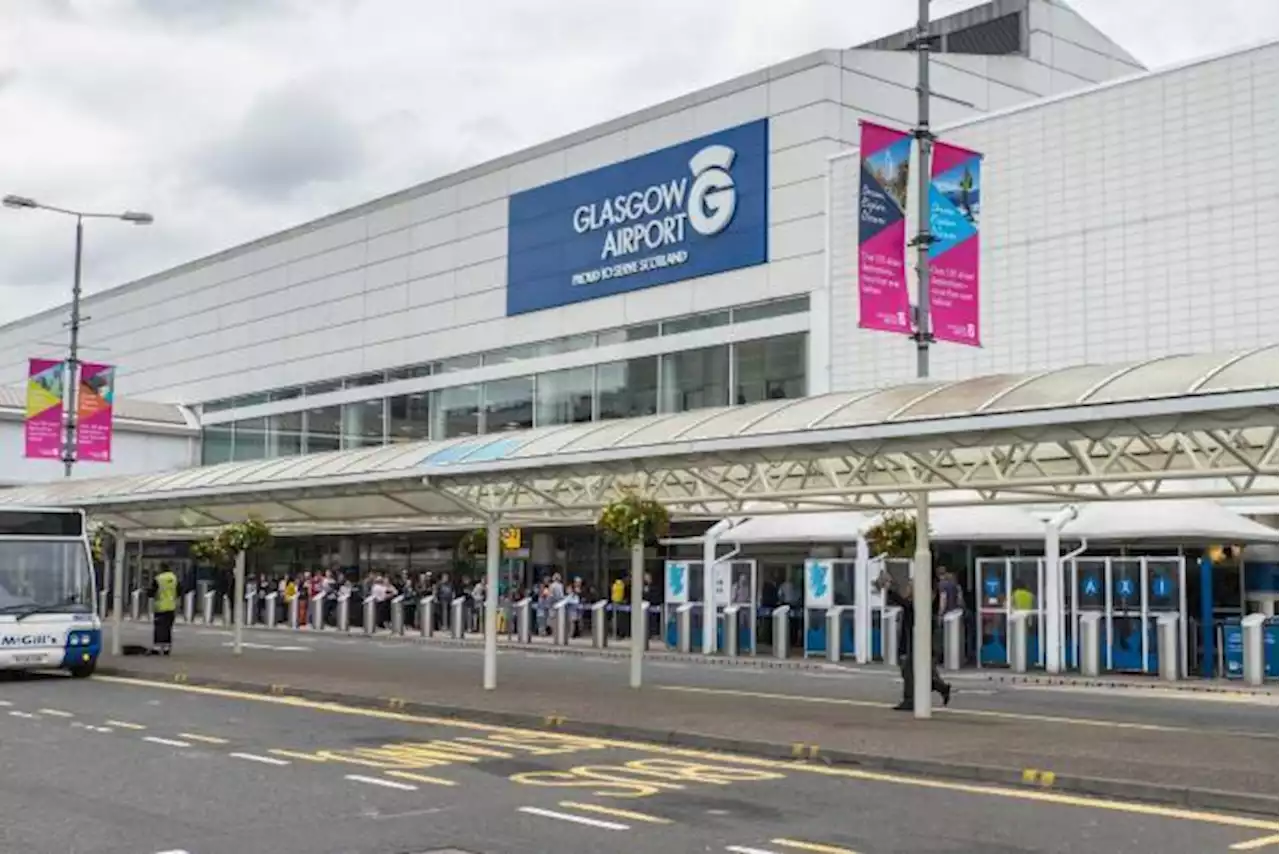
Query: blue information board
point(1233, 649)
point(694, 209)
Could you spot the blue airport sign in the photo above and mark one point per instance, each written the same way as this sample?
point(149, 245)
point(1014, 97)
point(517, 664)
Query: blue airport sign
point(694, 209)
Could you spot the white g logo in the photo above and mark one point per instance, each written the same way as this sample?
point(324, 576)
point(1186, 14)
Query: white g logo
point(712, 198)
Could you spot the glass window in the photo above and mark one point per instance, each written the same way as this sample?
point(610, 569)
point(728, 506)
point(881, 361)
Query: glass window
point(284, 434)
point(569, 344)
point(411, 372)
point(695, 378)
point(771, 368)
point(362, 423)
point(285, 394)
point(363, 380)
point(508, 404)
point(629, 388)
point(250, 440)
point(457, 363)
point(631, 333)
point(511, 354)
point(215, 445)
point(312, 389)
point(322, 431)
point(776, 308)
point(216, 405)
point(409, 417)
point(455, 412)
point(564, 397)
point(251, 399)
point(694, 322)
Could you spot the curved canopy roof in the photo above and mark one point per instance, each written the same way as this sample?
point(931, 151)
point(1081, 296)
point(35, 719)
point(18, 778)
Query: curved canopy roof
point(1087, 432)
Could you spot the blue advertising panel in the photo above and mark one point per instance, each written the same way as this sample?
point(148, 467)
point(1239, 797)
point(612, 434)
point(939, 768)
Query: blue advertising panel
point(694, 209)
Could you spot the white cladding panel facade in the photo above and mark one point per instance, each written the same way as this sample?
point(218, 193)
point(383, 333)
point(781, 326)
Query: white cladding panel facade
point(1135, 220)
point(133, 451)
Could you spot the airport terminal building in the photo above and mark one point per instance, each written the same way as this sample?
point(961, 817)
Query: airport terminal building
point(702, 252)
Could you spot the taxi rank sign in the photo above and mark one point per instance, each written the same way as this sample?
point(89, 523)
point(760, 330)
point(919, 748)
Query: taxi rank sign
point(694, 209)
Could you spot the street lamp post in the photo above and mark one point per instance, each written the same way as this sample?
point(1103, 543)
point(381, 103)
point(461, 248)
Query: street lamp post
point(71, 377)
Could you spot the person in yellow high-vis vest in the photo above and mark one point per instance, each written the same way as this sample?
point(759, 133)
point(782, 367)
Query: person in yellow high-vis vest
point(164, 605)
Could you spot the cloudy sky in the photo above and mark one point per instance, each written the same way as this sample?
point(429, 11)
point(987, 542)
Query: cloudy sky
point(231, 119)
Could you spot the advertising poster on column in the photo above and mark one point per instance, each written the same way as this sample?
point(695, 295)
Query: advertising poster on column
point(883, 302)
point(955, 203)
point(44, 409)
point(93, 412)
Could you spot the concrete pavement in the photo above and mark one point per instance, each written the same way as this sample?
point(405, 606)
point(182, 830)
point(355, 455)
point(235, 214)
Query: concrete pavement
point(110, 766)
point(1148, 744)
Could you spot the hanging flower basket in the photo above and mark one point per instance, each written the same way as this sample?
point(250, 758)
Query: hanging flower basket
point(247, 536)
point(210, 553)
point(893, 536)
point(99, 540)
point(473, 543)
point(632, 519)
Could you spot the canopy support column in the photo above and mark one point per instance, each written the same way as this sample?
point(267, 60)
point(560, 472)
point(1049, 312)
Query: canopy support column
point(639, 619)
point(862, 602)
point(922, 611)
point(237, 607)
point(710, 548)
point(1052, 596)
point(493, 557)
point(117, 594)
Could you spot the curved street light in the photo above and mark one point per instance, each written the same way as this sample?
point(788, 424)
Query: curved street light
point(73, 356)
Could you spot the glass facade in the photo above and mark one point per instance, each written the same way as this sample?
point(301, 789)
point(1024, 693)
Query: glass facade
point(740, 372)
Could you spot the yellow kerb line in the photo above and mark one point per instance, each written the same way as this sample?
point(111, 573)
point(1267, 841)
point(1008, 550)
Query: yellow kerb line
point(1254, 844)
point(812, 846)
point(615, 812)
point(1220, 819)
point(421, 778)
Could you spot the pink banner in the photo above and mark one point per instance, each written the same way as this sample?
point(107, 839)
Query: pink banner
point(955, 202)
point(45, 379)
point(883, 302)
point(93, 412)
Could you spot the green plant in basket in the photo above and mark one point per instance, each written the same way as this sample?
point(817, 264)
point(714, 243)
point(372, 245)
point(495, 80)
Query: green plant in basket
point(633, 519)
point(893, 536)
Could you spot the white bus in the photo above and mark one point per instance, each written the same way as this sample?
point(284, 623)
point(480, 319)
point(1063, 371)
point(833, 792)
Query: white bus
point(47, 618)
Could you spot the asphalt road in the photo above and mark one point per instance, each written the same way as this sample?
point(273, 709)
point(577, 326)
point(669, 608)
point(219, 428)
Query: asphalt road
point(114, 765)
point(1194, 712)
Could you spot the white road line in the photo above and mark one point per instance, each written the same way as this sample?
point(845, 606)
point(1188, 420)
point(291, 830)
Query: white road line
point(174, 851)
point(207, 739)
point(265, 760)
point(57, 713)
point(125, 725)
point(167, 742)
point(5, 703)
point(378, 781)
point(577, 819)
point(742, 849)
point(24, 715)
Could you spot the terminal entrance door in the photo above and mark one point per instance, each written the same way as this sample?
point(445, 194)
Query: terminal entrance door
point(830, 583)
point(735, 583)
point(1132, 593)
point(1006, 586)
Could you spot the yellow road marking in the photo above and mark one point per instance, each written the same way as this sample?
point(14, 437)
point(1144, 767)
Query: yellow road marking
point(979, 713)
point(1253, 844)
point(125, 725)
point(207, 739)
point(615, 812)
point(57, 713)
point(1056, 798)
point(421, 778)
point(812, 846)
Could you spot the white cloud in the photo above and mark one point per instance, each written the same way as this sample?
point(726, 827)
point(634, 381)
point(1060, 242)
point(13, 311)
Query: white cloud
point(230, 119)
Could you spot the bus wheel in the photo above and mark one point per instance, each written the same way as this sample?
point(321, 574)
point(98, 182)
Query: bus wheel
point(83, 671)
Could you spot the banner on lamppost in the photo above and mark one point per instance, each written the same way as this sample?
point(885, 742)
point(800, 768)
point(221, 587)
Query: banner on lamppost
point(94, 403)
point(883, 302)
point(955, 202)
point(45, 390)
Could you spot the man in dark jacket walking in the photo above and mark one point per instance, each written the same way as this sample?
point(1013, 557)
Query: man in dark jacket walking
point(906, 637)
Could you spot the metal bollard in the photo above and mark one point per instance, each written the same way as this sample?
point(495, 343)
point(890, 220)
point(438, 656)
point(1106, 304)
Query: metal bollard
point(269, 609)
point(250, 609)
point(599, 624)
point(104, 604)
point(524, 620)
point(834, 616)
point(207, 606)
point(344, 612)
point(370, 615)
point(1253, 664)
point(729, 619)
point(1090, 648)
point(427, 616)
point(560, 637)
point(456, 628)
point(1167, 651)
point(135, 605)
point(684, 627)
point(645, 607)
point(1018, 641)
point(397, 615)
point(317, 612)
point(952, 640)
point(890, 619)
point(189, 606)
point(293, 612)
point(782, 631)
point(226, 609)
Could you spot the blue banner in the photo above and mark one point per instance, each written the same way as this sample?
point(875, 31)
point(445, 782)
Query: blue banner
point(690, 210)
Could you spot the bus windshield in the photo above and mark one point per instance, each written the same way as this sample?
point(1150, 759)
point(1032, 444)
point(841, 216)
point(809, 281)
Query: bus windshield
point(45, 575)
